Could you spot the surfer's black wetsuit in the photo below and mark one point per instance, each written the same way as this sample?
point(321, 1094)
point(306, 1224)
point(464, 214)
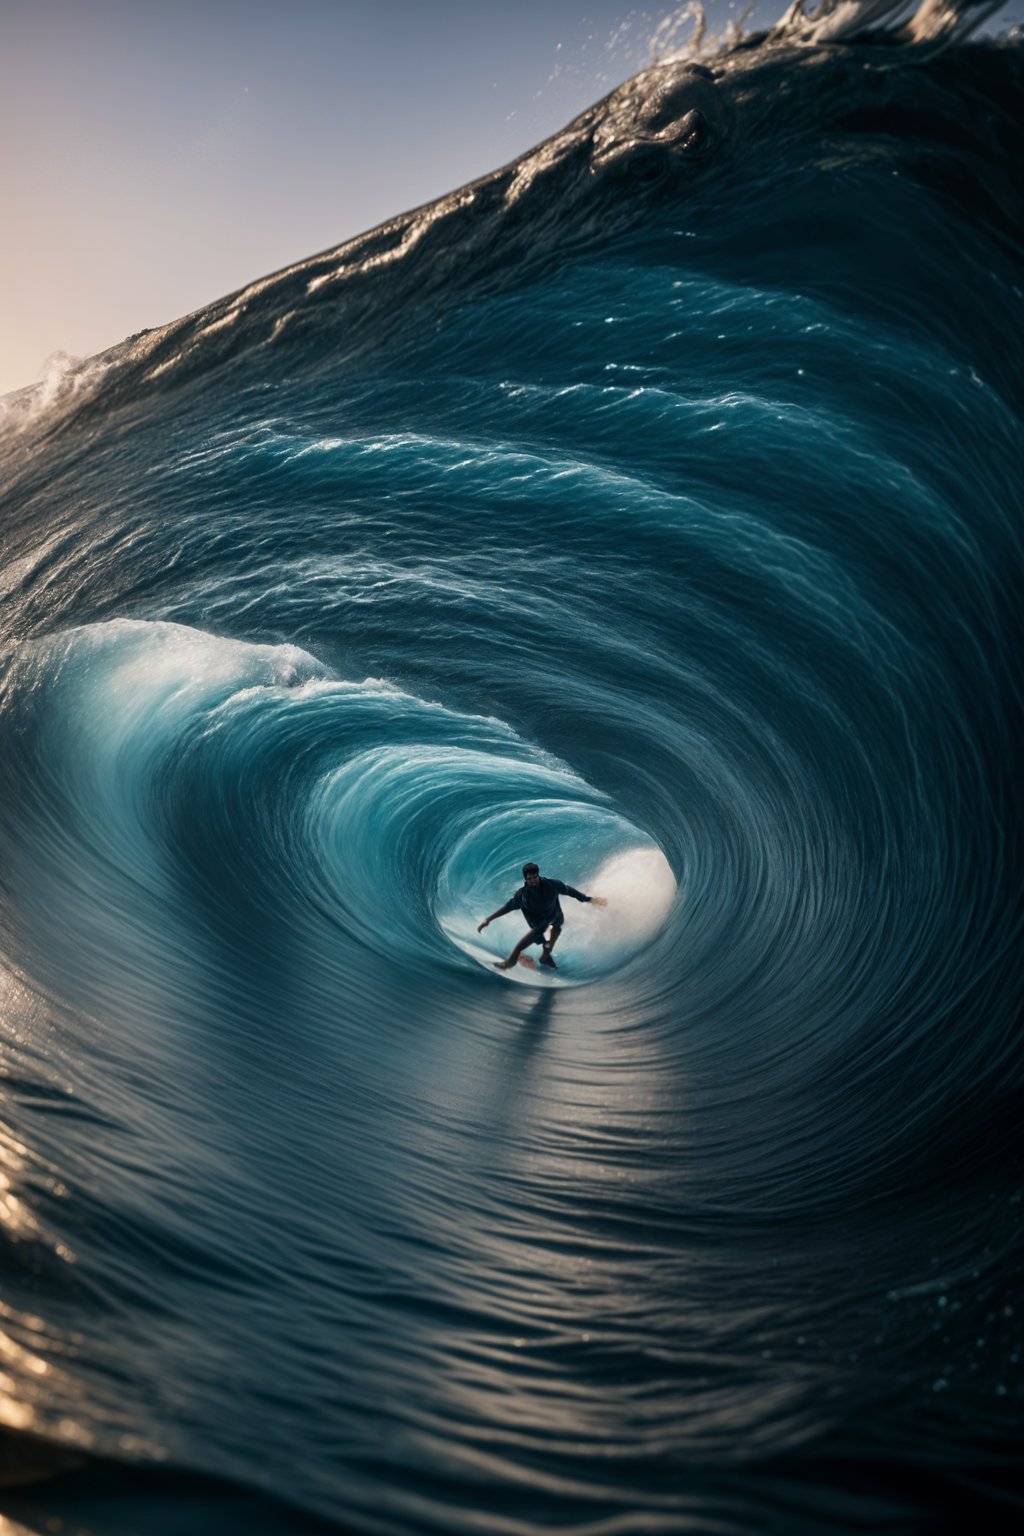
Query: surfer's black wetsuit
point(540, 905)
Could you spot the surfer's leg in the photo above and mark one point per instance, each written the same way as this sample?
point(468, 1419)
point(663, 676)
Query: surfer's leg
point(532, 936)
point(546, 957)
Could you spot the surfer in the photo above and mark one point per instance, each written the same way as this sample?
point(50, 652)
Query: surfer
point(538, 901)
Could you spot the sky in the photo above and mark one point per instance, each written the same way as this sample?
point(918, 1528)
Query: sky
point(157, 156)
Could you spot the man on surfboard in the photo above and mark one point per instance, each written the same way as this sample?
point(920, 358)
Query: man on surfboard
point(537, 900)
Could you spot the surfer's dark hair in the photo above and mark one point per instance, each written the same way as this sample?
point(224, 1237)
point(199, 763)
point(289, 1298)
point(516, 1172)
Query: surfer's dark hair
point(531, 869)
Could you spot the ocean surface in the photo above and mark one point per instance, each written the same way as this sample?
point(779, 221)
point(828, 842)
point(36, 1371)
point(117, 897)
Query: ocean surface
point(649, 509)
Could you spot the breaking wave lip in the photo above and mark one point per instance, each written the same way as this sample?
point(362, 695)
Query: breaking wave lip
point(410, 253)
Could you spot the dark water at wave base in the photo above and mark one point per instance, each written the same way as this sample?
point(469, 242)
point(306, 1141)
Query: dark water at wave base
point(650, 509)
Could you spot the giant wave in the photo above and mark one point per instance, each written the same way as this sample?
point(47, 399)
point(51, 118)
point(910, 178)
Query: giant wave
point(649, 508)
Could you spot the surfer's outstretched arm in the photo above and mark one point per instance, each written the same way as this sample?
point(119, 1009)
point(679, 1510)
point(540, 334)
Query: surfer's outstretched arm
point(570, 890)
point(510, 906)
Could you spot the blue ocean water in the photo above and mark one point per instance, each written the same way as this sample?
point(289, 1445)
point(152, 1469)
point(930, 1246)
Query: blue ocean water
point(652, 510)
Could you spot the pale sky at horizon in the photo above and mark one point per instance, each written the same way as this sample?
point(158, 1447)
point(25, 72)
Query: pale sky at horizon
point(158, 158)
